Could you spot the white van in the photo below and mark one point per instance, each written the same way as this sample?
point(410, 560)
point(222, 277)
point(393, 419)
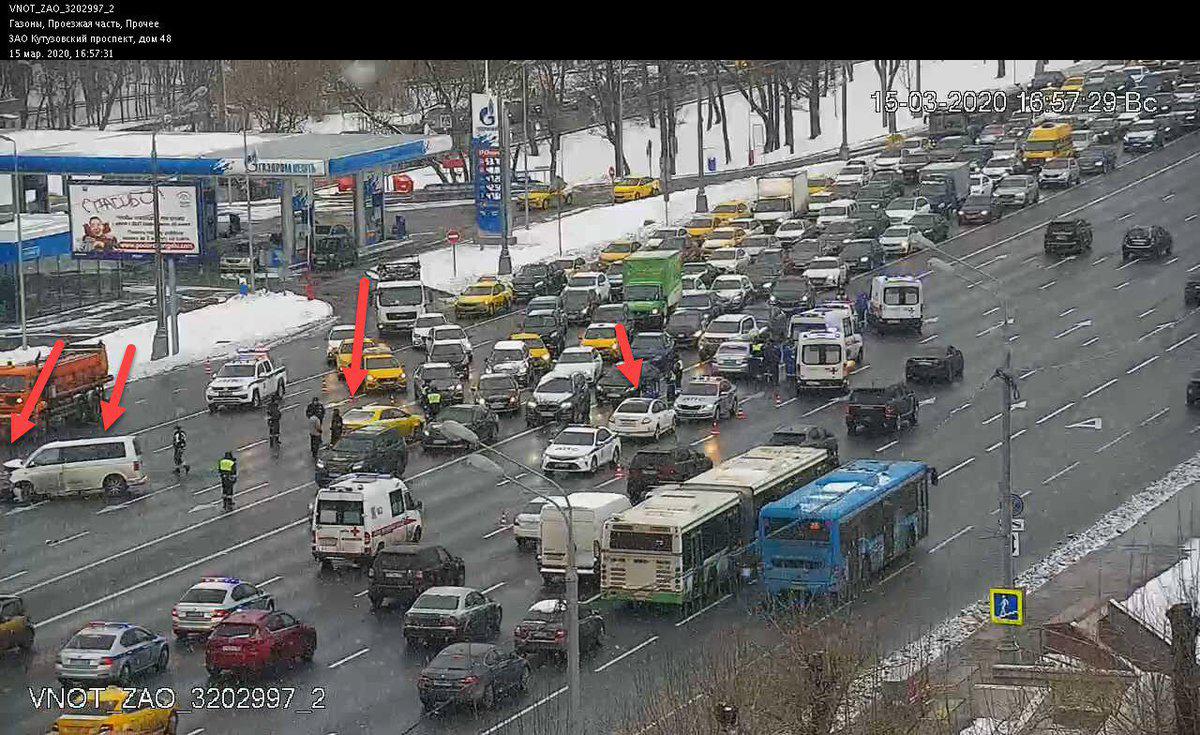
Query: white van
point(840, 210)
point(830, 315)
point(355, 517)
point(109, 464)
point(398, 304)
point(896, 301)
point(588, 512)
point(823, 360)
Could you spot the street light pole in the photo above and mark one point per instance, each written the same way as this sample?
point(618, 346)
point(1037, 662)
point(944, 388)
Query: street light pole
point(18, 197)
point(249, 213)
point(701, 200)
point(525, 130)
point(160, 347)
point(844, 148)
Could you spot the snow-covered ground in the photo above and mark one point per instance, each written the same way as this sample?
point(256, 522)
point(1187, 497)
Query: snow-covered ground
point(209, 332)
point(587, 155)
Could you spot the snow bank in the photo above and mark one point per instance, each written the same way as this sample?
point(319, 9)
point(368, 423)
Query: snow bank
point(209, 332)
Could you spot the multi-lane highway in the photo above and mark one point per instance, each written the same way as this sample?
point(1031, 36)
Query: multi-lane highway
point(1092, 338)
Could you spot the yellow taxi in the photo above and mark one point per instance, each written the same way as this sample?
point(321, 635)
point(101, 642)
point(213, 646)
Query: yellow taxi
point(117, 710)
point(819, 184)
point(345, 350)
point(618, 250)
point(700, 225)
point(724, 237)
point(393, 417)
point(384, 371)
point(635, 187)
point(603, 337)
point(484, 297)
point(1072, 84)
point(731, 210)
point(539, 354)
point(544, 196)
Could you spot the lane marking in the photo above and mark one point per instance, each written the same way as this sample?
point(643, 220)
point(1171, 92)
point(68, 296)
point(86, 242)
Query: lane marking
point(952, 538)
point(165, 537)
point(1123, 285)
point(822, 407)
point(362, 594)
point(499, 530)
point(790, 400)
point(701, 611)
point(1172, 260)
point(1057, 263)
point(894, 574)
point(1102, 447)
point(1189, 218)
point(1182, 342)
point(930, 338)
point(1093, 340)
point(57, 542)
point(1146, 313)
point(991, 311)
point(630, 652)
point(1068, 311)
point(493, 588)
point(1099, 260)
point(181, 568)
point(610, 480)
point(250, 445)
point(272, 580)
point(1027, 373)
point(990, 419)
point(1046, 285)
point(1168, 197)
point(513, 718)
point(203, 490)
point(963, 407)
point(1125, 216)
point(1060, 473)
point(135, 499)
point(1151, 418)
point(1141, 365)
point(957, 467)
point(996, 510)
point(1051, 415)
point(992, 328)
point(1012, 436)
point(14, 575)
point(591, 599)
point(701, 440)
point(889, 445)
point(861, 369)
point(197, 731)
point(1099, 388)
point(349, 658)
point(26, 508)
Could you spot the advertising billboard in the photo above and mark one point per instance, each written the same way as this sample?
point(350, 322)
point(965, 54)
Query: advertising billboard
point(117, 220)
point(485, 155)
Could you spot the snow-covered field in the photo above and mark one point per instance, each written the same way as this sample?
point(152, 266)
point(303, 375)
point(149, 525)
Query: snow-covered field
point(209, 332)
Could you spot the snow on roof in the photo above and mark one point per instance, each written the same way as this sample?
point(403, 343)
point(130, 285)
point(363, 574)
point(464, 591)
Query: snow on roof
point(1181, 583)
point(34, 226)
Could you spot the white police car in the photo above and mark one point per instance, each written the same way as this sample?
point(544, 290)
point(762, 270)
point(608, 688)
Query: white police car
point(104, 652)
point(210, 601)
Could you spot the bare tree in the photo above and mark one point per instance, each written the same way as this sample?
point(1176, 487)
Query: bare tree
point(278, 95)
point(886, 69)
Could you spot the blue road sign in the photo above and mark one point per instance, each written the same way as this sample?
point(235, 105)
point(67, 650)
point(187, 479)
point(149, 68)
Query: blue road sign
point(1007, 606)
point(1018, 505)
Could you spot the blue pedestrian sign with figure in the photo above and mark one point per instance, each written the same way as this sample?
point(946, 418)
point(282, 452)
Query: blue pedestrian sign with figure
point(1007, 606)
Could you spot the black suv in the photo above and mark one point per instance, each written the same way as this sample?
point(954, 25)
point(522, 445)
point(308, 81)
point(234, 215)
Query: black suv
point(335, 250)
point(1068, 237)
point(538, 279)
point(559, 397)
point(1146, 242)
point(454, 354)
point(440, 378)
point(404, 571)
point(931, 224)
point(658, 349)
point(792, 292)
point(935, 363)
point(479, 419)
point(500, 392)
point(686, 325)
point(373, 448)
point(660, 465)
point(551, 326)
point(806, 435)
point(886, 409)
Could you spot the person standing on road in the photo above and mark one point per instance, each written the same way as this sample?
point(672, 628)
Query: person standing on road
point(314, 434)
point(335, 426)
point(227, 469)
point(274, 415)
point(770, 362)
point(315, 408)
point(179, 443)
point(862, 302)
point(788, 355)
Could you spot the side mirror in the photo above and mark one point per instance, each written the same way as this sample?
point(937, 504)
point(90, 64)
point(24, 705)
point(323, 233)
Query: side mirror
point(933, 476)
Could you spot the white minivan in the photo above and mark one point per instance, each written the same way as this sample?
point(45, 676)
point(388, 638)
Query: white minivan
point(108, 464)
point(588, 512)
point(357, 516)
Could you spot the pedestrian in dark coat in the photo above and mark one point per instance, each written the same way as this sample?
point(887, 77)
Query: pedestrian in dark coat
point(335, 426)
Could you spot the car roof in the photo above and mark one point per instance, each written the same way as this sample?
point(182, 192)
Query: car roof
point(580, 429)
point(601, 324)
point(579, 349)
point(506, 344)
point(730, 318)
point(440, 364)
point(458, 591)
point(114, 628)
point(247, 616)
point(372, 429)
point(548, 606)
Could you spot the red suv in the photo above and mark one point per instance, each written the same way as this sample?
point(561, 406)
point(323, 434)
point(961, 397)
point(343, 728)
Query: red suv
point(252, 640)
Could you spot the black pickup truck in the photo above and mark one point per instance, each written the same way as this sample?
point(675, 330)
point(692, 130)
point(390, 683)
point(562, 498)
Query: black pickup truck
point(403, 572)
point(886, 409)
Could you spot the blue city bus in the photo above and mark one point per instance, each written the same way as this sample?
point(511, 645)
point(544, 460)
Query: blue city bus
point(842, 529)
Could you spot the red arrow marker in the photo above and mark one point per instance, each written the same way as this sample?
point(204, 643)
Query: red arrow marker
point(111, 410)
point(629, 367)
point(354, 373)
point(20, 421)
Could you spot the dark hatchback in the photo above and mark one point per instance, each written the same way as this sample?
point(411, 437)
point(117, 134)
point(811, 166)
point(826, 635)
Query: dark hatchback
point(792, 292)
point(543, 630)
point(439, 378)
point(657, 349)
point(479, 419)
point(686, 325)
point(932, 225)
point(499, 392)
point(1097, 159)
point(475, 673)
point(1067, 236)
point(452, 353)
point(660, 465)
point(979, 209)
point(373, 448)
point(862, 255)
point(764, 270)
point(1146, 242)
point(402, 572)
point(538, 279)
point(551, 326)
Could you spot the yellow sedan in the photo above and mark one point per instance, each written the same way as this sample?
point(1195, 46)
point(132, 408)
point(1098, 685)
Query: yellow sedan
point(636, 187)
point(615, 252)
point(731, 210)
point(819, 184)
point(700, 225)
point(603, 338)
point(539, 354)
point(118, 710)
point(544, 196)
point(345, 351)
point(485, 297)
point(1072, 84)
point(394, 417)
point(384, 371)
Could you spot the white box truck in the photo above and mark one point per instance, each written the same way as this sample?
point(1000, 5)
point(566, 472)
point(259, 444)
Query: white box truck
point(398, 304)
point(588, 512)
point(780, 197)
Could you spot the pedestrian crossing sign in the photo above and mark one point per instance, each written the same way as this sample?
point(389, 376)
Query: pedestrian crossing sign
point(1007, 606)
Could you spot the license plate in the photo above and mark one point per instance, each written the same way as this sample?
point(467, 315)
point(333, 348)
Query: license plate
point(231, 649)
point(395, 575)
point(194, 616)
point(329, 542)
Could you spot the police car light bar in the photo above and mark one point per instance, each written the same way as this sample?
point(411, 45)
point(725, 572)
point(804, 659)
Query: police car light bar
point(228, 580)
point(107, 624)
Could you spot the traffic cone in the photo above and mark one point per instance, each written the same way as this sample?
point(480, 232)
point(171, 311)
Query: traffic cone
point(716, 430)
point(208, 368)
point(778, 400)
point(620, 473)
point(741, 414)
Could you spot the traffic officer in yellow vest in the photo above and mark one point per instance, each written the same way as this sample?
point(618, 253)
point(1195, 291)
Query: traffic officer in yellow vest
point(227, 468)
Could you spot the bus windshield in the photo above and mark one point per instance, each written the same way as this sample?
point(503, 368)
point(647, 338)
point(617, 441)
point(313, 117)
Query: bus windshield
point(796, 529)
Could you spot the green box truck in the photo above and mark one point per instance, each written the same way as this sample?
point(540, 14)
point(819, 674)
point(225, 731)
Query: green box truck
point(653, 285)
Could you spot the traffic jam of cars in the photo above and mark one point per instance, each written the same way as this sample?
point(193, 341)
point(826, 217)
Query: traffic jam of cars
point(776, 298)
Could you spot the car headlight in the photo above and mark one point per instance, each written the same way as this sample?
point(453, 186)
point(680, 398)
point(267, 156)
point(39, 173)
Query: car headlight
point(654, 311)
point(458, 386)
point(645, 421)
point(480, 400)
point(545, 358)
point(531, 404)
point(773, 300)
point(320, 464)
point(565, 404)
point(697, 332)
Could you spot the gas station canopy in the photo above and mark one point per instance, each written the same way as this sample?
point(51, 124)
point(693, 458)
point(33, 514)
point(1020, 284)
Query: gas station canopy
point(268, 155)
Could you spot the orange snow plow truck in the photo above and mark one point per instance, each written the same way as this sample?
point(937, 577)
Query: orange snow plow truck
point(72, 394)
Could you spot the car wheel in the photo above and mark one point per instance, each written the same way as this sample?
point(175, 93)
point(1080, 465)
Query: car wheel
point(124, 675)
point(26, 643)
point(115, 485)
point(172, 724)
point(307, 654)
point(594, 464)
point(488, 700)
point(212, 670)
point(523, 682)
point(164, 657)
point(255, 400)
